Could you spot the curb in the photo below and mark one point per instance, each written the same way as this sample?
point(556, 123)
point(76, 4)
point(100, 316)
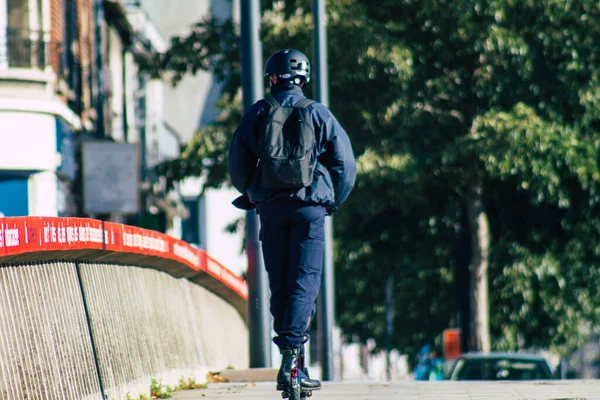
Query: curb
point(250, 375)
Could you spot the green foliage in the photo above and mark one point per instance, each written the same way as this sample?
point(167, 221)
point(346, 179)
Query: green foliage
point(140, 397)
point(158, 390)
point(212, 45)
point(445, 93)
point(190, 383)
point(542, 154)
point(205, 155)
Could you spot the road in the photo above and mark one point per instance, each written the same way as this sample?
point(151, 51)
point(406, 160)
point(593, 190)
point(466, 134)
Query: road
point(409, 390)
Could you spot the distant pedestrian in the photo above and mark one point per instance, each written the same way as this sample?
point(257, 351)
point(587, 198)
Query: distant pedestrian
point(429, 367)
point(423, 367)
point(291, 159)
point(436, 367)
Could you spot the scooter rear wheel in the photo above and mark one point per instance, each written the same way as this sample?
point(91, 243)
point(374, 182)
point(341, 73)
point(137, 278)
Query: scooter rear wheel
point(295, 391)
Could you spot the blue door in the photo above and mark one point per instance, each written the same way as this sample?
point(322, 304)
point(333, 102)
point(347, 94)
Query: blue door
point(13, 195)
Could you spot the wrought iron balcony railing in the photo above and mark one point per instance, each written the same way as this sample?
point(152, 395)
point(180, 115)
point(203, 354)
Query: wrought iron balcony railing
point(24, 48)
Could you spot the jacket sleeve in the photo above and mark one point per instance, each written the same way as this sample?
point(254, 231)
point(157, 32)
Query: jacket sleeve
point(338, 157)
point(243, 152)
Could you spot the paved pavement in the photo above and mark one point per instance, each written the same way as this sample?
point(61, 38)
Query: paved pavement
point(405, 390)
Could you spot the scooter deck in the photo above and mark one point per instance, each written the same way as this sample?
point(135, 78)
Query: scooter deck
point(285, 388)
point(304, 394)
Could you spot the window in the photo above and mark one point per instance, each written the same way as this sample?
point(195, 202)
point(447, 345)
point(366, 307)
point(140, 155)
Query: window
point(24, 42)
point(18, 15)
point(25, 15)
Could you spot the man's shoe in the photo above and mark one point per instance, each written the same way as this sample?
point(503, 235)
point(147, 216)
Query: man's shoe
point(307, 383)
point(289, 361)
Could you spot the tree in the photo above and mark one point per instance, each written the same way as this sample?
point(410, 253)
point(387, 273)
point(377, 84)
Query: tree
point(476, 126)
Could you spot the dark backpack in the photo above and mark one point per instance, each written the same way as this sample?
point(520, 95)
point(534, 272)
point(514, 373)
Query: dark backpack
point(286, 144)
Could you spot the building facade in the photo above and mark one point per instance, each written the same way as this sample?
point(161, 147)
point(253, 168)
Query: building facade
point(51, 87)
point(187, 107)
point(68, 75)
point(38, 121)
point(162, 208)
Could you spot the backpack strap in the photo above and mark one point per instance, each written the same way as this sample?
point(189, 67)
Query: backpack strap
point(272, 101)
point(303, 103)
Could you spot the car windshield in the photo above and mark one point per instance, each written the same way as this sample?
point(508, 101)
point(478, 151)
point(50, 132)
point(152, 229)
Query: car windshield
point(500, 369)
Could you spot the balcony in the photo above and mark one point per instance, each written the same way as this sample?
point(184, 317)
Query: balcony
point(26, 61)
point(24, 49)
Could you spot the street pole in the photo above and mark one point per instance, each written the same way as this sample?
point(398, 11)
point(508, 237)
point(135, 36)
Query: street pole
point(389, 324)
point(326, 303)
point(258, 297)
point(100, 123)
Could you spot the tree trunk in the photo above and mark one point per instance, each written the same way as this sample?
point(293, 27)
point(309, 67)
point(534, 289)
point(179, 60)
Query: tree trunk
point(480, 242)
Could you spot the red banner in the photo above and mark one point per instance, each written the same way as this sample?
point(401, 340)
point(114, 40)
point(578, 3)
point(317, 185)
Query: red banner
point(24, 235)
point(20, 235)
point(187, 254)
point(68, 233)
point(215, 269)
point(132, 239)
point(13, 237)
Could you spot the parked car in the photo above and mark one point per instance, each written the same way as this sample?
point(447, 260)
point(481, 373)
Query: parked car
point(500, 366)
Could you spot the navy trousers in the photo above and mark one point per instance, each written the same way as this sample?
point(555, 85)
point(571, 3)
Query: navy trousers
point(293, 237)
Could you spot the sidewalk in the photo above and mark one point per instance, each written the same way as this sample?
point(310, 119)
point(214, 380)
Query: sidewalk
point(444, 390)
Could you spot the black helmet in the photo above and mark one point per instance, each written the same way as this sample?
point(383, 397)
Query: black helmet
point(288, 64)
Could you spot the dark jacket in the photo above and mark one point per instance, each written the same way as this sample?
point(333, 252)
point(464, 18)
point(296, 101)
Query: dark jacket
point(335, 171)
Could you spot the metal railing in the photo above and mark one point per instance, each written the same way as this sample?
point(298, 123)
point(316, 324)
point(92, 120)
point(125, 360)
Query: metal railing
point(92, 310)
point(21, 48)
